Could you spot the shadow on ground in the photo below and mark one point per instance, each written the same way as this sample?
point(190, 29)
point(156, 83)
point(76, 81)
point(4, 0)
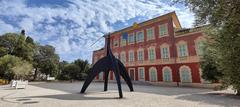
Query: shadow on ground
point(180, 93)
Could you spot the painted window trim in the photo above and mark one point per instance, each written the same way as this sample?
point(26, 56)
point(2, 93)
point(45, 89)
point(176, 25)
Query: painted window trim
point(131, 34)
point(121, 42)
point(159, 26)
point(123, 52)
point(171, 76)
point(178, 49)
point(199, 39)
point(141, 49)
point(152, 47)
point(149, 73)
point(153, 35)
point(129, 69)
point(165, 45)
point(189, 70)
point(139, 74)
point(129, 58)
point(115, 40)
point(137, 36)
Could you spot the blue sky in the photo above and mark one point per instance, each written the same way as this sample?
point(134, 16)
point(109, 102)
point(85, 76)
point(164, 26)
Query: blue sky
point(71, 26)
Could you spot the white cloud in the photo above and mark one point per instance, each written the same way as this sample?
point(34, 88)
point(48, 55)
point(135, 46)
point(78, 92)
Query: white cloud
point(74, 28)
point(4, 27)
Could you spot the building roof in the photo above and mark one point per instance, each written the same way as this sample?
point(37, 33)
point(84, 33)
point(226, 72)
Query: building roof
point(162, 17)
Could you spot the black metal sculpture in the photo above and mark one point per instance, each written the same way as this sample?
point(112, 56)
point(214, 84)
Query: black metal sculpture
point(105, 64)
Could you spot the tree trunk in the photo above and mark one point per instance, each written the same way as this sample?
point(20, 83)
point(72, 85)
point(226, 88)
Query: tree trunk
point(238, 93)
point(35, 74)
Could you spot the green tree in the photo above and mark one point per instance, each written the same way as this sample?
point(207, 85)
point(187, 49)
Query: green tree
point(46, 60)
point(8, 43)
point(13, 67)
point(223, 31)
point(83, 64)
point(16, 44)
point(22, 70)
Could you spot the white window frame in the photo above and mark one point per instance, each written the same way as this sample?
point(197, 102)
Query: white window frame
point(122, 41)
point(129, 54)
point(178, 48)
point(199, 39)
point(139, 78)
point(142, 50)
point(123, 60)
point(150, 77)
point(163, 69)
point(165, 45)
point(137, 36)
point(129, 40)
point(115, 41)
point(166, 25)
point(153, 34)
point(153, 53)
point(133, 73)
point(190, 73)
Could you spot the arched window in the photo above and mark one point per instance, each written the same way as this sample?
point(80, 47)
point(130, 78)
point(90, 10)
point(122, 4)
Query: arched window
point(100, 76)
point(185, 74)
point(167, 74)
point(199, 45)
point(153, 74)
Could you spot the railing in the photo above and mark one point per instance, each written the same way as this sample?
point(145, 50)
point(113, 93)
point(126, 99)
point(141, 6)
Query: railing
point(177, 33)
point(189, 59)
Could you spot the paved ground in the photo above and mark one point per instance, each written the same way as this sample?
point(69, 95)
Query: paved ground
point(67, 95)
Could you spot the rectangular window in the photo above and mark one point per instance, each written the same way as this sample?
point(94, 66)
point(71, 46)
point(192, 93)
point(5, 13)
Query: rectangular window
point(200, 48)
point(163, 30)
point(124, 38)
point(165, 53)
point(131, 56)
point(123, 58)
point(150, 34)
point(151, 54)
point(141, 74)
point(140, 55)
point(115, 43)
point(183, 50)
point(140, 36)
point(131, 38)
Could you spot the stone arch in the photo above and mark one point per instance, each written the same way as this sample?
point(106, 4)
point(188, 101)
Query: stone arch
point(167, 74)
point(185, 74)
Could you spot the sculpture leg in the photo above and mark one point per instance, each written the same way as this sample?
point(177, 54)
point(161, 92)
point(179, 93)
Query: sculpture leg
point(117, 76)
point(124, 74)
point(106, 80)
point(127, 79)
point(92, 74)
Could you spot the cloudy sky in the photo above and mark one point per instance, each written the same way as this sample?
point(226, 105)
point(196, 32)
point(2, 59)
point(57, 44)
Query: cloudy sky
point(71, 26)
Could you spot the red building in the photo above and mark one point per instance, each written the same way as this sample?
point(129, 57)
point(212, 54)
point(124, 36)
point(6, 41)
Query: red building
point(158, 51)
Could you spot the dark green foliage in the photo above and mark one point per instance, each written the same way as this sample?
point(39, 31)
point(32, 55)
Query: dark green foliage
point(73, 71)
point(223, 17)
point(210, 70)
point(46, 60)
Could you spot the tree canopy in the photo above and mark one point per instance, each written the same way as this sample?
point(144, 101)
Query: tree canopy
point(223, 32)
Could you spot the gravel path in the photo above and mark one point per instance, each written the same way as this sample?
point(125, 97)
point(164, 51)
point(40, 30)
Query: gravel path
point(67, 95)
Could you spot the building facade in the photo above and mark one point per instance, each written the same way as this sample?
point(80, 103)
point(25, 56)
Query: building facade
point(158, 51)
